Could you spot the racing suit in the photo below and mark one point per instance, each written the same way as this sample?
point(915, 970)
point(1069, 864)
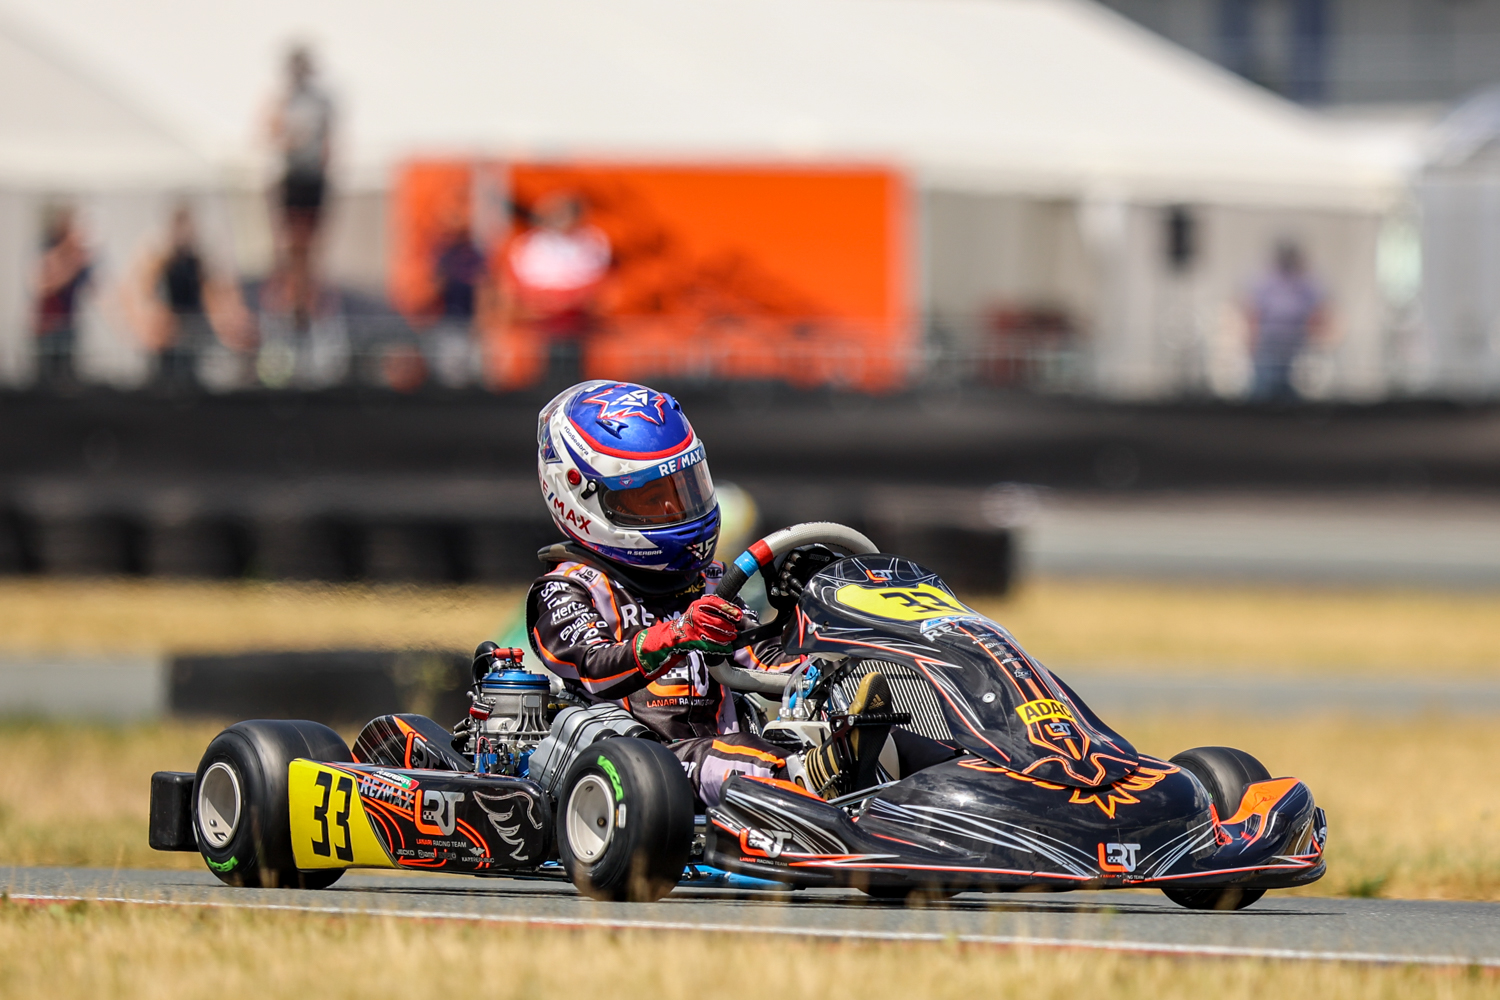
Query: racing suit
point(581, 618)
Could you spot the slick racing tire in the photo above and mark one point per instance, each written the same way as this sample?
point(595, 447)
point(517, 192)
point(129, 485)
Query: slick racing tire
point(1226, 773)
point(625, 821)
point(239, 802)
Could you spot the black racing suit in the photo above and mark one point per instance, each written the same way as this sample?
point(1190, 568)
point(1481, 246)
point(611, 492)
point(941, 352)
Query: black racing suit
point(580, 618)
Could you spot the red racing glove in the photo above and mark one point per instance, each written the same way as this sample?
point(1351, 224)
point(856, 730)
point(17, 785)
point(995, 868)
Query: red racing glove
point(709, 625)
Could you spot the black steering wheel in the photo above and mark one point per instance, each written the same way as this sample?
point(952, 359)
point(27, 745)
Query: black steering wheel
point(758, 558)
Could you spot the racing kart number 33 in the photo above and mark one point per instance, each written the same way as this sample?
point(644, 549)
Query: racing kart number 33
point(330, 828)
point(341, 818)
point(906, 604)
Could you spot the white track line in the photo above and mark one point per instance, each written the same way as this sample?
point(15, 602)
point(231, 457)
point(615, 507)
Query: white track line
point(1005, 940)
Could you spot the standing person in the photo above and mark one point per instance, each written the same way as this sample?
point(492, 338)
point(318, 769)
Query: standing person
point(1286, 311)
point(553, 276)
point(64, 272)
point(183, 306)
point(302, 128)
point(459, 269)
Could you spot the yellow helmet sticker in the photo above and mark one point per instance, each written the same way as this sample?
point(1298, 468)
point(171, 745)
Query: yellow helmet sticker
point(906, 604)
point(1042, 710)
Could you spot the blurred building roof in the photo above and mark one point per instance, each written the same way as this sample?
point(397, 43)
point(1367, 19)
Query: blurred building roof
point(62, 130)
point(1048, 97)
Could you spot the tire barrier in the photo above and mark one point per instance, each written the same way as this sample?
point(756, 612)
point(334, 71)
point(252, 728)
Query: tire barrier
point(337, 687)
point(431, 529)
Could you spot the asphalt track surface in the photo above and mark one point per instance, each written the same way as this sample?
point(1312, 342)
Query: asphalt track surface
point(1283, 927)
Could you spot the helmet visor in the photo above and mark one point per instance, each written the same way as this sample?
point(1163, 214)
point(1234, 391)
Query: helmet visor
point(683, 496)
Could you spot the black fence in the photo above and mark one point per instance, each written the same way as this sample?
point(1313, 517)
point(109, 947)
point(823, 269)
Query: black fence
point(335, 687)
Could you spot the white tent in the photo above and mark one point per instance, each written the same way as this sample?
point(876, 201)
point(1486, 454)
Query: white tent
point(59, 129)
point(1044, 100)
point(1056, 96)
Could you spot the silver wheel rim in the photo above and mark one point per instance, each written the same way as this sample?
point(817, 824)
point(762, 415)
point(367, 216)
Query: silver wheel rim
point(591, 818)
point(219, 803)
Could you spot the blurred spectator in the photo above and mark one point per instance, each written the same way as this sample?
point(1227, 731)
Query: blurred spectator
point(181, 306)
point(459, 270)
point(302, 128)
point(63, 274)
point(305, 344)
point(1286, 310)
point(554, 272)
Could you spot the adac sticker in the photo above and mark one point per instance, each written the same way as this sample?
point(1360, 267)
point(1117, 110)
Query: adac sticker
point(906, 604)
point(1043, 709)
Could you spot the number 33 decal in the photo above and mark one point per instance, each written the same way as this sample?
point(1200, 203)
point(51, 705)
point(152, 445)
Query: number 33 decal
point(345, 851)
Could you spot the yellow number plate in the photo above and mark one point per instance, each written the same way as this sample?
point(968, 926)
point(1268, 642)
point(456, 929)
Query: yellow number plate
point(907, 604)
point(329, 826)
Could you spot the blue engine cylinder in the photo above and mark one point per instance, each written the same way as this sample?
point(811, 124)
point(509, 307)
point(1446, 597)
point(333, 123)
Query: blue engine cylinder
point(517, 720)
point(513, 682)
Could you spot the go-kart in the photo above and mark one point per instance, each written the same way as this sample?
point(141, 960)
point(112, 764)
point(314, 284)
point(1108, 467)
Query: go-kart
point(1037, 792)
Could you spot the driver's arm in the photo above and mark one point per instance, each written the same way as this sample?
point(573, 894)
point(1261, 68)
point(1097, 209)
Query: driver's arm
point(572, 638)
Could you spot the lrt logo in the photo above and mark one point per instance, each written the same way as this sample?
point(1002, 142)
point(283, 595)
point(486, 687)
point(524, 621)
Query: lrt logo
point(768, 844)
point(1118, 858)
point(438, 813)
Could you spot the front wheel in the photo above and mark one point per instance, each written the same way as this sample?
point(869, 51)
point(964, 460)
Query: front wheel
point(240, 815)
point(1226, 773)
point(625, 821)
point(1228, 898)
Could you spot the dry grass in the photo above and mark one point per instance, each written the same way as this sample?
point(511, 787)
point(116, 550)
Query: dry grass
point(1405, 817)
point(76, 795)
point(148, 616)
point(92, 950)
point(1239, 628)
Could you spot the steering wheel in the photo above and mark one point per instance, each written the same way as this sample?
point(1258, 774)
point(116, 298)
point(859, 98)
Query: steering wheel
point(760, 557)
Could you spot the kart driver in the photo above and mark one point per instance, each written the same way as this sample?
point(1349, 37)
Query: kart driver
point(626, 611)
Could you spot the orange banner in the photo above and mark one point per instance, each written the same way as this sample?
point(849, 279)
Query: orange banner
point(793, 274)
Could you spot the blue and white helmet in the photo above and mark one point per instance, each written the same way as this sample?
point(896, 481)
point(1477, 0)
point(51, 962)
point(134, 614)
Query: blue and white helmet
point(625, 476)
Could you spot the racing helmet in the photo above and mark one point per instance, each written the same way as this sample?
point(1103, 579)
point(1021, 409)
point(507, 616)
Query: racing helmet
point(625, 476)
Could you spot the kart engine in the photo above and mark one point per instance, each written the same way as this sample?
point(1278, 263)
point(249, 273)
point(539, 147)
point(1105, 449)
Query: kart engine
point(507, 714)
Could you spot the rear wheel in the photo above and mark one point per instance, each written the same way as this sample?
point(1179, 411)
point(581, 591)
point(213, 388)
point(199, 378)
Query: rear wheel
point(1226, 773)
point(240, 806)
point(625, 821)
